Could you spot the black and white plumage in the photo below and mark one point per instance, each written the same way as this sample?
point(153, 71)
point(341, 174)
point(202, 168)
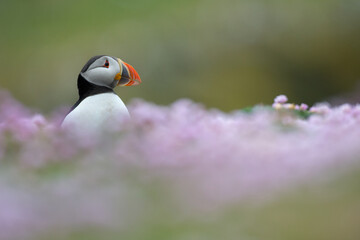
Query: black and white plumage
point(98, 106)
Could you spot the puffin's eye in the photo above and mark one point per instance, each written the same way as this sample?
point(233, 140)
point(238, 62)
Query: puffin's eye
point(106, 64)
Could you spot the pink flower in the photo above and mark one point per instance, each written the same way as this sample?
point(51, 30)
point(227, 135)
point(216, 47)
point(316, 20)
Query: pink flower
point(304, 107)
point(281, 99)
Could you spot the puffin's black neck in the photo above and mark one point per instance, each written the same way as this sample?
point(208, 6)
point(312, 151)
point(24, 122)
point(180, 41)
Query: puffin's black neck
point(87, 89)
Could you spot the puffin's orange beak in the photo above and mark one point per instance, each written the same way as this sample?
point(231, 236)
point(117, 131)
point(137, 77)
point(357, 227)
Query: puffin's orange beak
point(127, 75)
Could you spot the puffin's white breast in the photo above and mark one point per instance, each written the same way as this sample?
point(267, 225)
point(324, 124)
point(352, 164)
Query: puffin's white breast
point(98, 112)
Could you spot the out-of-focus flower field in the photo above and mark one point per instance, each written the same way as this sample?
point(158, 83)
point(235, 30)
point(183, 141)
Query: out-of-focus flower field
point(183, 172)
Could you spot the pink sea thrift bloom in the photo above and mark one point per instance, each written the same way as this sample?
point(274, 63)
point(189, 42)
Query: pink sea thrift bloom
point(304, 107)
point(281, 99)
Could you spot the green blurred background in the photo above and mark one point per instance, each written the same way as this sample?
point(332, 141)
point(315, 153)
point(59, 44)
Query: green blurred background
point(227, 54)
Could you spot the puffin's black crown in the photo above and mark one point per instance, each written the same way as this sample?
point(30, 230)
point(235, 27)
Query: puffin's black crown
point(91, 61)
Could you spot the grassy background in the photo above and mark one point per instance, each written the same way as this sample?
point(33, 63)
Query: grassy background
point(227, 54)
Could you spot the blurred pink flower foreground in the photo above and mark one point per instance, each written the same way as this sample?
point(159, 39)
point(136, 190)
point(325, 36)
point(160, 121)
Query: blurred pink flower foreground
point(203, 156)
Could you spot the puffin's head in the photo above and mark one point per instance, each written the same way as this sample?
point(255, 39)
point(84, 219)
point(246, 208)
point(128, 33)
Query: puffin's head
point(109, 72)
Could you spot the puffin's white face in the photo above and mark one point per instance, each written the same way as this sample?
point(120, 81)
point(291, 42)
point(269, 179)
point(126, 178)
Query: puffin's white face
point(109, 72)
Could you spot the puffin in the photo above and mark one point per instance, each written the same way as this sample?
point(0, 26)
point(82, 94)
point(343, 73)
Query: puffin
point(99, 107)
